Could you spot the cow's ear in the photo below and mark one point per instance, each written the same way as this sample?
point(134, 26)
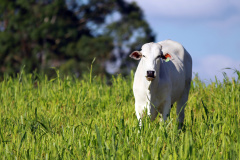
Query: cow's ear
point(136, 55)
point(166, 57)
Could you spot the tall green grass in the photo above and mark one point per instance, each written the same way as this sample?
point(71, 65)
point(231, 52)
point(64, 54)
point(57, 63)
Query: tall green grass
point(68, 118)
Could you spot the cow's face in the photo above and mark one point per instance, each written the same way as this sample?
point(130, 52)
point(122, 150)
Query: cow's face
point(150, 54)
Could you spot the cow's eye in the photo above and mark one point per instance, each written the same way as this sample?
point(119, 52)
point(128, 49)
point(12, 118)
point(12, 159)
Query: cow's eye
point(144, 56)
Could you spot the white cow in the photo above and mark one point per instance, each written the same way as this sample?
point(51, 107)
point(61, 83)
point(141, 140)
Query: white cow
point(163, 76)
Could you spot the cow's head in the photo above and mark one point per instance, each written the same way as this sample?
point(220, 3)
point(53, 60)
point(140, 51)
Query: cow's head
point(150, 54)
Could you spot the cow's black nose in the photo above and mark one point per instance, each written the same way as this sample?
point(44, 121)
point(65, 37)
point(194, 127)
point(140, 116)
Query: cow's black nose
point(150, 74)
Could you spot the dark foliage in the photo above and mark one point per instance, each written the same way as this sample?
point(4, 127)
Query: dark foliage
point(40, 34)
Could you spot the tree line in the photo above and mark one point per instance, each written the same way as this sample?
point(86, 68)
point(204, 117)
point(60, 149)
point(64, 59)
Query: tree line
point(69, 34)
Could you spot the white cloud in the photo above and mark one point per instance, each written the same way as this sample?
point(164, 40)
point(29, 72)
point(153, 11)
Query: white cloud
point(196, 10)
point(185, 8)
point(214, 65)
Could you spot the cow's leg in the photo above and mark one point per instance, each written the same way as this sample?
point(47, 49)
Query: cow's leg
point(153, 112)
point(138, 112)
point(139, 109)
point(166, 109)
point(181, 103)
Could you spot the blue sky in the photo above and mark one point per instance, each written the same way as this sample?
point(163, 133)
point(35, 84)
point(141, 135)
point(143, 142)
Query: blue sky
point(208, 29)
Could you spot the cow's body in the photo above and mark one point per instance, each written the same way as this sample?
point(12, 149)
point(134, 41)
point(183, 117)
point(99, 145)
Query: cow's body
point(171, 82)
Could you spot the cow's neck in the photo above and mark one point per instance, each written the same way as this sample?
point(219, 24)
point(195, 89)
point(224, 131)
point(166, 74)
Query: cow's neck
point(152, 86)
point(151, 89)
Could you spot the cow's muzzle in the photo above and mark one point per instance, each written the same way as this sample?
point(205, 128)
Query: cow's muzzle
point(150, 75)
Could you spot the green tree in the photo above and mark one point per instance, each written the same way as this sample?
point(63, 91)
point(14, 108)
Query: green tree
point(68, 34)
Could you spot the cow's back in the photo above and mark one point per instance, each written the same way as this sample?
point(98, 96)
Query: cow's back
point(173, 47)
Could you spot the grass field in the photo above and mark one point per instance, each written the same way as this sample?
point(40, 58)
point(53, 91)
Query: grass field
point(67, 118)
